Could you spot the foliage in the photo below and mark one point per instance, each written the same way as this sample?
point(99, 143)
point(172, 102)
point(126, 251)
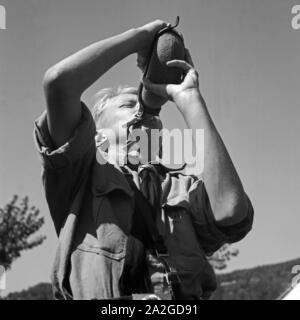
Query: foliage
point(220, 258)
point(42, 291)
point(260, 283)
point(18, 222)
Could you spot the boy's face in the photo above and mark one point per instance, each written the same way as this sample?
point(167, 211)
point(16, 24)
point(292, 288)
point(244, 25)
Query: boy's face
point(115, 116)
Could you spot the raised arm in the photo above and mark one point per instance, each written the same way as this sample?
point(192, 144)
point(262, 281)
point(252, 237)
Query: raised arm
point(224, 188)
point(65, 82)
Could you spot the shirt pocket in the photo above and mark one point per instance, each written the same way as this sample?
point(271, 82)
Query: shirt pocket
point(107, 236)
point(99, 229)
point(91, 248)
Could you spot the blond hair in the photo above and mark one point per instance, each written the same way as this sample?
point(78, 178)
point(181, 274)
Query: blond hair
point(105, 95)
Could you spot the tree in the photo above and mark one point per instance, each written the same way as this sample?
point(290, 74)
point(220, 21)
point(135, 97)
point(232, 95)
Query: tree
point(220, 258)
point(17, 224)
point(41, 291)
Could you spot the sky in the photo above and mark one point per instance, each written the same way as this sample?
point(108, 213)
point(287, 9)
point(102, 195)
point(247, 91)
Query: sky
point(247, 55)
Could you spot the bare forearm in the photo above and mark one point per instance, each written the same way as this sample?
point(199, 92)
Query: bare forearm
point(224, 188)
point(221, 180)
point(65, 82)
point(80, 70)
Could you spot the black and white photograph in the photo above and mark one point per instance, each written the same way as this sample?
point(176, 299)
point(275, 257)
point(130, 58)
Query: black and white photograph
point(149, 150)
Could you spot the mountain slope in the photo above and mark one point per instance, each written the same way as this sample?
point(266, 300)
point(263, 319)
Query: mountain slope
point(260, 283)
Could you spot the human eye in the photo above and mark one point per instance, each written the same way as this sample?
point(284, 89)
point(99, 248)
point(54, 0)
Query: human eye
point(129, 106)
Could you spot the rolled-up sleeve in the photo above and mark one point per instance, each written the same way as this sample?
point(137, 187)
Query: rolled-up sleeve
point(212, 236)
point(80, 143)
point(64, 169)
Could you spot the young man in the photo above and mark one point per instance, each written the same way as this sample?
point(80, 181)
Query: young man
point(101, 209)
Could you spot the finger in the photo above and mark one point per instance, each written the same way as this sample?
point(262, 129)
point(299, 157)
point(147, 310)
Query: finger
point(188, 57)
point(160, 24)
point(159, 89)
point(179, 64)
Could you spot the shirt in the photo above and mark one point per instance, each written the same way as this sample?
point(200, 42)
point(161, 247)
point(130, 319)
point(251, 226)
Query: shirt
point(92, 207)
